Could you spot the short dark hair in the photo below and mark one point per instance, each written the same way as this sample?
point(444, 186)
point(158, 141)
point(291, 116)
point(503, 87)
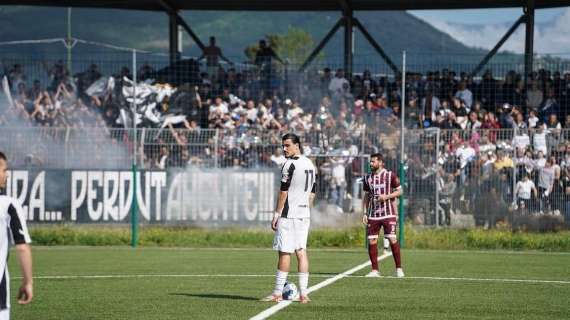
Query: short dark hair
point(294, 138)
point(377, 156)
point(3, 156)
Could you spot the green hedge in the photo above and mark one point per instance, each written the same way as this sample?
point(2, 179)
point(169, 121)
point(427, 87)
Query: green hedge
point(415, 237)
point(486, 239)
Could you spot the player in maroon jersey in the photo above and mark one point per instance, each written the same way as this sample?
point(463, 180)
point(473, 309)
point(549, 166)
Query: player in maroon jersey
point(381, 188)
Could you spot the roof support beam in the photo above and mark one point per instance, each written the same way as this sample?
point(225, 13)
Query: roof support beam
point(173, 14)
point(291, 5)
point(345, 7)
point(376, 46)
point(173, 44)
point(321, 45)
point(499, 44)
point(348, 43)
point(191, 33)
point(529, 40)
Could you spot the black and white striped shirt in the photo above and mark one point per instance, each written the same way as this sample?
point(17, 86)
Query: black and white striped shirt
point(298, 178)
point(13, 231)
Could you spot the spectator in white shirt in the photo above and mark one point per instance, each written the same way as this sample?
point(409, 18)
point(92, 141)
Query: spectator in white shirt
point(529, 163)
point(546, 185)
point(278, 158)
point(534, 96)
point(521, 140)
point(219, 106)
point(519, 121)
point(473, 123)
point(252, 111)
point(338, 83)
point(524, 191)
point(294, 110)
point(338, 181)
point(539, 139)
point(540, 161)
point(464, 94)
point(465, 153)
point(532, 119)
point(485, 145)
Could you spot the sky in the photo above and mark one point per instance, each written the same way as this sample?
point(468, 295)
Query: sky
point(552, 34)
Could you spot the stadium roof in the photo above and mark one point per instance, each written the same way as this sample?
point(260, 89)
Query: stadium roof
point(289, 5)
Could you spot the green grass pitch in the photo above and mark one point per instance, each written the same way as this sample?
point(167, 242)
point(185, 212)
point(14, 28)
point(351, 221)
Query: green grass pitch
point(175, 283)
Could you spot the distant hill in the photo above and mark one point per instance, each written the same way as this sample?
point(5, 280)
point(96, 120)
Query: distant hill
point(395, 31)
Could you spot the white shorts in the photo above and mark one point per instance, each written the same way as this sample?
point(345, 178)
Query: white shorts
point(291, 234)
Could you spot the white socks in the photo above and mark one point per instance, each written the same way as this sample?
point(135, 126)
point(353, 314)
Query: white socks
point(386, 244)
point(303, 282)
point(280, 279)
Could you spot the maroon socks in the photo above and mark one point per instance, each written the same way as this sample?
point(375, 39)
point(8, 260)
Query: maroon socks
point(396, 253)
point(373, 254)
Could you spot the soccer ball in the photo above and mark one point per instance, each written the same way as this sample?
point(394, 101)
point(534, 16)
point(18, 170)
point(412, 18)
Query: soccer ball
point(290, 291)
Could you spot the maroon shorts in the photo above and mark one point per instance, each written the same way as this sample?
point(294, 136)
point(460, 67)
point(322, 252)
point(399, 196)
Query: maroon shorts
point(389, 226)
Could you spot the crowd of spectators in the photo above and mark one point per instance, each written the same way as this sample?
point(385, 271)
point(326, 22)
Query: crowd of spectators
point(492, 173)
point(231, 98)
point(341, 116)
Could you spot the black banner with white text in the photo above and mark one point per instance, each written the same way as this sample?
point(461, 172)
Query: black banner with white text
point(193, 197)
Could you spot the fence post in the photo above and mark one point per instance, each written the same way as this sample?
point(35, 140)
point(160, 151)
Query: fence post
point(286, 77)
point(134, 205)
point(142, 143)
point(68, 41)
point(66, 147)
point(216, 149)
point(366, 171)
point(362, 140)
point(437, 177)
point(402, 154)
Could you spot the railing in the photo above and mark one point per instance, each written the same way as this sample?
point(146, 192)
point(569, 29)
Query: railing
point(97, 85)
point(468, 177)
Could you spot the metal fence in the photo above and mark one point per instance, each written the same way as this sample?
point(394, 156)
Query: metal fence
point(511, 177)
point(461, 178)
point(81, 110)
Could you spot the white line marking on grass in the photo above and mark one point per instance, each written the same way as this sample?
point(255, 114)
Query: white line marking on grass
point(152, 275)
point(284, 304)
point(486, 279)
point(490, 251)
point(132, 276)
point(156, 248)
point(127, 276)
point(358, 250)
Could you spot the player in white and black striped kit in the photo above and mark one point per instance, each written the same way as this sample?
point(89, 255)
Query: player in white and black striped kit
point(292, 216)
point(13, 230)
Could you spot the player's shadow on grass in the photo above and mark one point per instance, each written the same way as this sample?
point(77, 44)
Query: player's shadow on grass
point(325, 273)
point(214, 296)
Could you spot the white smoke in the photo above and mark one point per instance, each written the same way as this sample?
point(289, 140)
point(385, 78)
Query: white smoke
point(65, 148)
point(551, 37)
point(329, 216)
